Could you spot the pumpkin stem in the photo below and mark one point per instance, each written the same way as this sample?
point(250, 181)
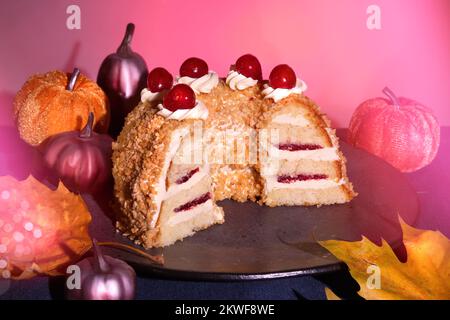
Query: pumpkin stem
point(124, 47)
point(73, 79)
point(102, 265)
point(86, 132)
point(391, 95)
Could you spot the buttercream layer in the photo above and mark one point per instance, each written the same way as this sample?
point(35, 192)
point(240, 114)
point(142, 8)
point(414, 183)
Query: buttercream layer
point(332, 169)
point(294, 120)
point(278, 134)
point(191, 182)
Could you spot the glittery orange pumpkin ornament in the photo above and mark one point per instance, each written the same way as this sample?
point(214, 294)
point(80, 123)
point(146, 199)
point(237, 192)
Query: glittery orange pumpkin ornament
point(57, 102)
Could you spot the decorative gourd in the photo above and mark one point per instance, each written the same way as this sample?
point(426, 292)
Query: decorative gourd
point(401, 131)
point(57, 102)
point(82, 160)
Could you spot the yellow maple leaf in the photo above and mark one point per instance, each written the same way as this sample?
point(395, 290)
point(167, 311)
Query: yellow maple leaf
point(381, 276)
point(331, 295)
point(42, 230)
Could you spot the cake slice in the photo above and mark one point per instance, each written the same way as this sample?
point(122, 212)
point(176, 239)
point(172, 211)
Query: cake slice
point(299, 158)
point(166, 196)
point(188, 203)
point(300, 161)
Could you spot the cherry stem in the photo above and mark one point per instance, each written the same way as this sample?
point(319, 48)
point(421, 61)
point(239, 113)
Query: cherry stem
point(73, 79)
point(158, 259)
point(86, 132)
point(124, 47)
point(102, 265)
point(391, 95)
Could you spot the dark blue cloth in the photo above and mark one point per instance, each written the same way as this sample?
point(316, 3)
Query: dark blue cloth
point(310, 288)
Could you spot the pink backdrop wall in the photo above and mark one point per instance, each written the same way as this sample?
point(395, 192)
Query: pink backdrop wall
point(326, 41)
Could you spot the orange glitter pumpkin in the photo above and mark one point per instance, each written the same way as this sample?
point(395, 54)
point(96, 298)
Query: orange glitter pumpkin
point(56, 102)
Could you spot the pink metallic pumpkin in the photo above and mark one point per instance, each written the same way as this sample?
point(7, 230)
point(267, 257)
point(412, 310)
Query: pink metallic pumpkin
point(104, 278)
point(399, 130)
point(82, 160)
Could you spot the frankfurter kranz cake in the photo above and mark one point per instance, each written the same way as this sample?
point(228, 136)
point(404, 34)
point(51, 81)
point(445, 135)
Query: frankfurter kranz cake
point(201, 139)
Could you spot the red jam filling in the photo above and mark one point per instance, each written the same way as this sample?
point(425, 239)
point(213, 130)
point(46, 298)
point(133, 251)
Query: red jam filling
point(186, 177)
point(194, 203)
point(300, 177)
point(298, 147)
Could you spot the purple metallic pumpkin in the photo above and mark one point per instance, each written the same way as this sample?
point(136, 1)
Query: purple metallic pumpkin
point(82, 160)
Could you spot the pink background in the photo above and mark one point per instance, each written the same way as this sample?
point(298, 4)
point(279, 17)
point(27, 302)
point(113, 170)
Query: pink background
point(326, 41)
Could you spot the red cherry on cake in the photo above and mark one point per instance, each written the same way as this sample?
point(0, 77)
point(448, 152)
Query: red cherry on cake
point(249, 66)
point(159, 79)
point(181, 96)
point(282, 77)
point(194, 68)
